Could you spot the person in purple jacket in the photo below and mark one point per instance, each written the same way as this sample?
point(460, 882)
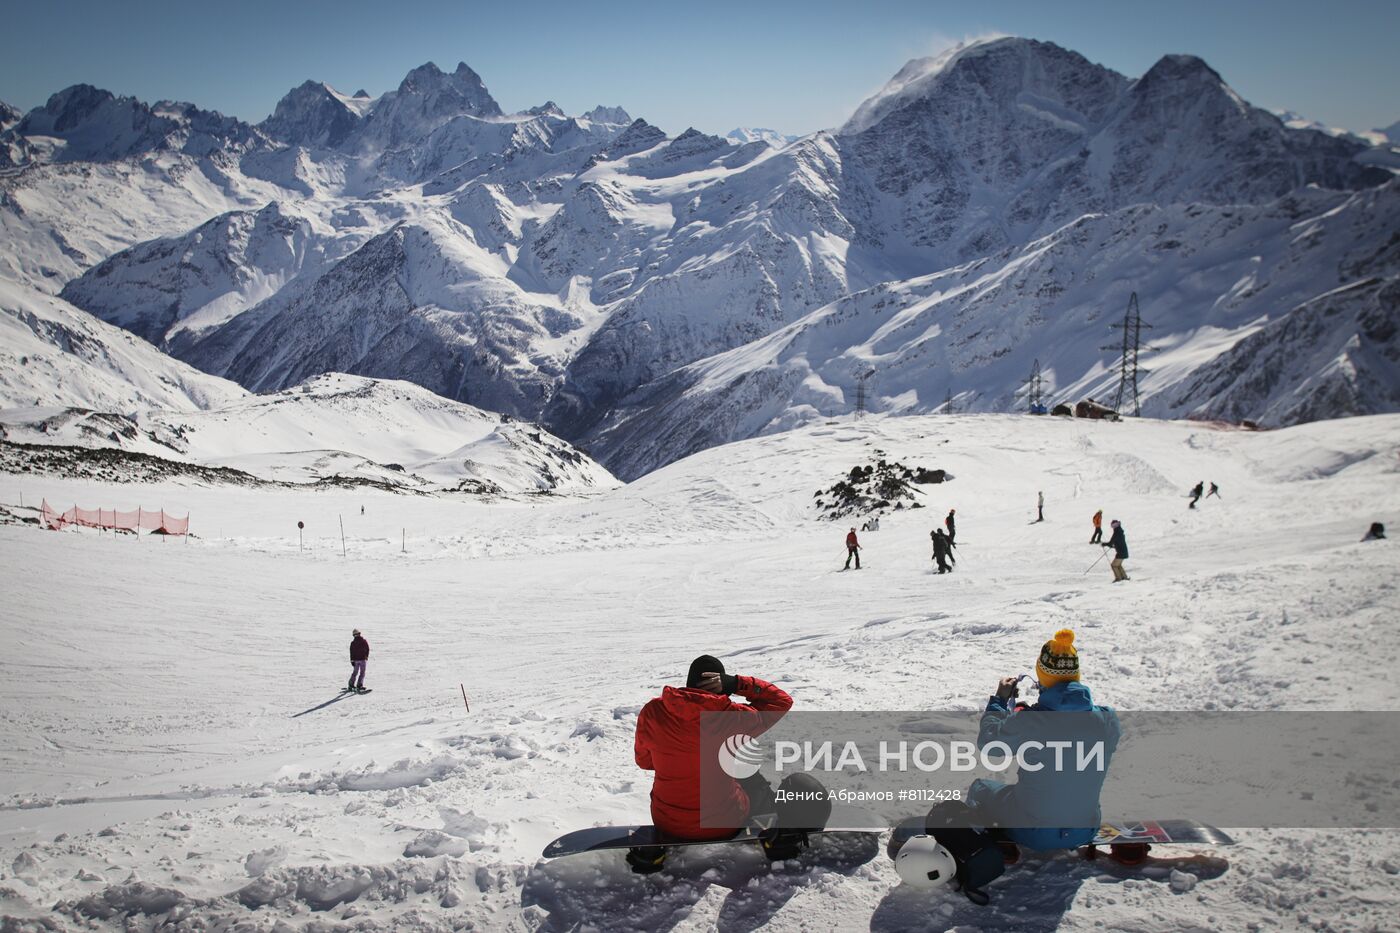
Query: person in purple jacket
point(359, 655)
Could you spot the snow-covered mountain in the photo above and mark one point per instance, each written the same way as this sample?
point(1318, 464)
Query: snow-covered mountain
point(393, 433)
point(53, 354)
point(1239, 329)
point(570, 269)
point(742, 135)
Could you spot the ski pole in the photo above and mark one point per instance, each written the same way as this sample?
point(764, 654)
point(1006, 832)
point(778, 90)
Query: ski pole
point(1096, 563)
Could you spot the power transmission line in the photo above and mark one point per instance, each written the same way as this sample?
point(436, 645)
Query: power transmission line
point(1128, 368)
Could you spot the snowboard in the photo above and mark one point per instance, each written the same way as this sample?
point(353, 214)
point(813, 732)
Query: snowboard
point(600, 838)
point(1161, 832)
point(1121, 832)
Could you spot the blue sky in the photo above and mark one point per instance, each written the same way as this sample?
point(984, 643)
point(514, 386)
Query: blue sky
point(791, 66)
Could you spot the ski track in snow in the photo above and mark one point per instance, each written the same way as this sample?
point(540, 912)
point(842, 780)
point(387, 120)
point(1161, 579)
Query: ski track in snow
point(175, 751)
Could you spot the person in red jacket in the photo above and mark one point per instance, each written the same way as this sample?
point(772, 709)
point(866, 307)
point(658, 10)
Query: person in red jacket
point(668, 743)
point(852, 550)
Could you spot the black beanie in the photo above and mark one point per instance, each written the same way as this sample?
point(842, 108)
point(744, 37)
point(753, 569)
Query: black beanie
point(705, 664)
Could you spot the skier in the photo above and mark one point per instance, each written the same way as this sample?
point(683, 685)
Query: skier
point(359, 656)
point(1196, 492)
point(1375, 533)
point(668, 742)
point(1119, 542)
point(852, 549)
point(942, 550)
point(1214, 491)
point(1098, 528)
point(1050, 806)
point(1040, 506)
point(362, 510)
point(951, 524)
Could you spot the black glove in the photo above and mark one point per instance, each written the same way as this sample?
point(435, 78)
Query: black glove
point(729, 683)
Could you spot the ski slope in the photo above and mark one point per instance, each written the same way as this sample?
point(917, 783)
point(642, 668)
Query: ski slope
point(174, 749)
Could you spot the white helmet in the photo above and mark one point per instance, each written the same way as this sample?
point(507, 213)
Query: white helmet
point(923, 863)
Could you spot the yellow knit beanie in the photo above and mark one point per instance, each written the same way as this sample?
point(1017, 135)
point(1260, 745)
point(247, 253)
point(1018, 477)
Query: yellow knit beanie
point(1059, 662)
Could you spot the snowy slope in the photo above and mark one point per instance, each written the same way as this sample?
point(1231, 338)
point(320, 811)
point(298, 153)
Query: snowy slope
point(53, 354)
point(395, 433)
point(266, 800)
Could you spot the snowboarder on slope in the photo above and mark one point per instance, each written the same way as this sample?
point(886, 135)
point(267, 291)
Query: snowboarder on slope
point(1375, 533)
point(1214, 491)
point(1119, 542)
point(852, 549)
point(359, 656)
point(1098, 528)
point(1060, 804)
point(668, 742)
point(942, 550)
point(1040, 506)
point(1196, 492)
point(951, 524)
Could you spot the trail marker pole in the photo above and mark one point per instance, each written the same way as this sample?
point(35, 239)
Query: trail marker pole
point(342, 535)
point(403, 540)
point(300, 526)
point(464, 697)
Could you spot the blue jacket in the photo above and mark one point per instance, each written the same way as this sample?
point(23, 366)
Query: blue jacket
point(1119, 543)
point(1057, 808)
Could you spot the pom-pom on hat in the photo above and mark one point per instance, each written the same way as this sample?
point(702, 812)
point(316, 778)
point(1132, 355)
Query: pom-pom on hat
point(1059, 662)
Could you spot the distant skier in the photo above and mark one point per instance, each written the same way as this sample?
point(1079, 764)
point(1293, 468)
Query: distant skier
point(852, 549)
point(1061, 805)
point(1119, 542)
point(1098, 528)
point(1214, 491)
point(942, 550)
point(1375, 533)
point(359, 656)
point(951, 524)
point(1196, 492)
point(668, 742)
point(1040, 506)
point(362, 510)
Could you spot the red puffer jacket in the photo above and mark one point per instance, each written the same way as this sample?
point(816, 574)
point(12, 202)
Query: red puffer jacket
point(668, 742)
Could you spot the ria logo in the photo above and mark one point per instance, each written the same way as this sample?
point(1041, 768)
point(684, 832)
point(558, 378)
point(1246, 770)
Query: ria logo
point(740, 756)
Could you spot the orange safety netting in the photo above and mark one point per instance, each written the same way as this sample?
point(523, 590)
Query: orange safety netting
point(118, 521)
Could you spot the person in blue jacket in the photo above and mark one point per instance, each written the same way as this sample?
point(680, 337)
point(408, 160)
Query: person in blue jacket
point(1050, 807)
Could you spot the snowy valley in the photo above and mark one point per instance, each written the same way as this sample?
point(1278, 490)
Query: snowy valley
point(176, 752)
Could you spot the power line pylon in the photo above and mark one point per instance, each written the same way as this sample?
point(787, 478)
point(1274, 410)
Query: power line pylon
point(1035, 391)
point(860, 391)
point(1128, 368)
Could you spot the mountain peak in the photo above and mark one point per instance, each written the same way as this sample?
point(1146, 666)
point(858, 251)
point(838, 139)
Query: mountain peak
point(1182, 68)
point(446, 95)
point(604, 114)
point(1000, 67)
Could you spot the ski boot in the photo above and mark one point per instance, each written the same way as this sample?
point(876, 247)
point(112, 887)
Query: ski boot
point(646, 860)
